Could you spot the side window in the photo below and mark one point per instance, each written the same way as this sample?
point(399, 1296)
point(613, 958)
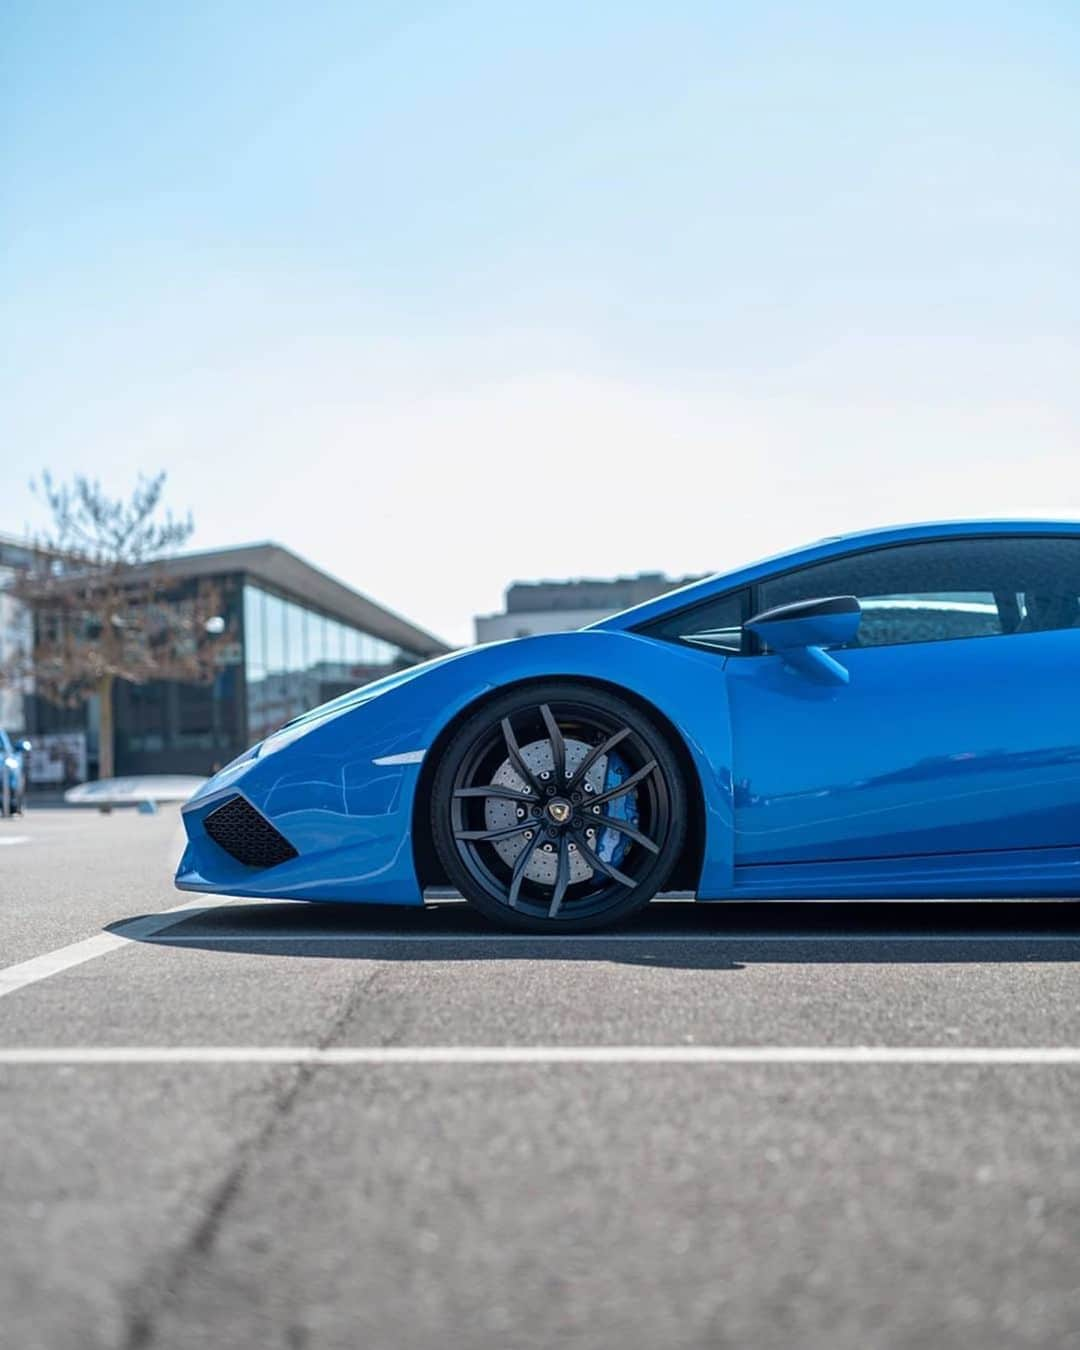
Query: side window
point(945, 589)
point(716, 624)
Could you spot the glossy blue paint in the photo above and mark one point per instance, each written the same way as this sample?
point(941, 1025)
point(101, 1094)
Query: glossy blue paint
point(932, 748)
point(946, 768)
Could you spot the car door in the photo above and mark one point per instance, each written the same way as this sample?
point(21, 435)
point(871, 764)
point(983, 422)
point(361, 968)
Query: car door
point(958, 730)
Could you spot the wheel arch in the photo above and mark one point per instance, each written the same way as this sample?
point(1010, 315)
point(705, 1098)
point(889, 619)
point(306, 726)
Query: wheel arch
point(687, 871)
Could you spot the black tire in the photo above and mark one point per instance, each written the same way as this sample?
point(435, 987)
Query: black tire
point(558, 870)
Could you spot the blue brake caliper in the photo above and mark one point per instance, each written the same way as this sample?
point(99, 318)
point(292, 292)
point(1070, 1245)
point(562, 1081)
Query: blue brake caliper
point(611, 845)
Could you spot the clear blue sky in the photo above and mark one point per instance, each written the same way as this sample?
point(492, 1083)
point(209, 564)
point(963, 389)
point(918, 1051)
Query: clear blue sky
point(445, 295)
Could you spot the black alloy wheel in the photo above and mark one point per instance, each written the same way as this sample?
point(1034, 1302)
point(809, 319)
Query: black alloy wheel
point(558, 808)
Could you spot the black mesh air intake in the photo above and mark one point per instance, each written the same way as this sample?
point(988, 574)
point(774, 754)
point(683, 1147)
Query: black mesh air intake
point(247, 835)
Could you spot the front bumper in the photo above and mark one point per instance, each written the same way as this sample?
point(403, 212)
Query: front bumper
point(305, 824)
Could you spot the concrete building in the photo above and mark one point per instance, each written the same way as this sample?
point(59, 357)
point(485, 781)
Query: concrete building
point(297, 637)
point(555, 606)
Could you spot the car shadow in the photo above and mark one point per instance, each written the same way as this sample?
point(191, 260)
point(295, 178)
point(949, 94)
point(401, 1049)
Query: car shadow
point(683, 935)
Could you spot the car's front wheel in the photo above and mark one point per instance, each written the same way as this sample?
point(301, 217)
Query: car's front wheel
point(558, 808)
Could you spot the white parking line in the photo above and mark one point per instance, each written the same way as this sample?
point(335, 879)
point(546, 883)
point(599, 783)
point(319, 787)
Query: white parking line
point(63, 958)
point(15, 839)
point(542, 1054)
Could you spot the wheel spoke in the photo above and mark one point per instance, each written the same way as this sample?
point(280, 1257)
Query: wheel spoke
point(558, 745)
point(624, 828)
point(598, 864)
point(595, 753)
point(496, 790)
point(518, 874)
point(625, 785)
point(562, 877)
point(489, 836)
point(514, 754)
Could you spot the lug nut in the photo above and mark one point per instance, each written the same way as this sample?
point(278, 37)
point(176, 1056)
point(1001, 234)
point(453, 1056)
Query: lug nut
point(521, 813)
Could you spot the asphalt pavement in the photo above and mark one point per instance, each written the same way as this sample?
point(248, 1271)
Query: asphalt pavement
point(281, 1125)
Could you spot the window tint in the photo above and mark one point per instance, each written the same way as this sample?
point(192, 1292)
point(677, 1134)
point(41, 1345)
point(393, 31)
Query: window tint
point(942, 589)
point(716, 624)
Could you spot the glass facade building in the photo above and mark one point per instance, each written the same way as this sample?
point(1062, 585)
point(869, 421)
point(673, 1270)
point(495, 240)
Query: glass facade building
point(296, 657)
point(295, 638)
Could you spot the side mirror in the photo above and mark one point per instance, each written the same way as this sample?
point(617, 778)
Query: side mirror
point(798, 632)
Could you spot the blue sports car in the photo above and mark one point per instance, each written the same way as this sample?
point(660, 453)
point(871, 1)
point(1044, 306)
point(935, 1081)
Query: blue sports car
point(889, 714)
point(12, 774)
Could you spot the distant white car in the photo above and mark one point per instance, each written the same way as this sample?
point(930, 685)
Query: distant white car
point(146, 790)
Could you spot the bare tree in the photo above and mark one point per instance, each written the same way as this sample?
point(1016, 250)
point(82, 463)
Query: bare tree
point(105, 607)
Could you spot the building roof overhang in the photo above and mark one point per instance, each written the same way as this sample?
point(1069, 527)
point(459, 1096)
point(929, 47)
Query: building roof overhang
point(281, 570)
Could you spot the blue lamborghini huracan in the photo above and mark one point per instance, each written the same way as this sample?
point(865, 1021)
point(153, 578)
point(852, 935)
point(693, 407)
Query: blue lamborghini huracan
point(888, 714)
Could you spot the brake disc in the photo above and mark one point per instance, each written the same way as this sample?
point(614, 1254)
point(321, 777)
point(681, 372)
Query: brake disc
point(500, 813)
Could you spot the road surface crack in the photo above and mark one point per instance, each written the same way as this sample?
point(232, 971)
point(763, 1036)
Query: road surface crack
point(161, 1288)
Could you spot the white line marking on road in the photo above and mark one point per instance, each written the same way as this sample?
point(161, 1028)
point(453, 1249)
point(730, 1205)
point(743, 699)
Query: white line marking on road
point(548, 939)
point(542, 1054)
point(63, 958)
point(15, 839)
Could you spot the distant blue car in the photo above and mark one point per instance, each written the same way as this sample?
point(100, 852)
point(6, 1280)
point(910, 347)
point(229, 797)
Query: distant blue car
point(889, 714)
point(12, 774)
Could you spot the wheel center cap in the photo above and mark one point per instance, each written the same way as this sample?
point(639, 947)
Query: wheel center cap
point(559, 811)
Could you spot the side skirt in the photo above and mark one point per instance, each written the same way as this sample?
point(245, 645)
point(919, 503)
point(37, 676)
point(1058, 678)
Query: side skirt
point(1007, 873)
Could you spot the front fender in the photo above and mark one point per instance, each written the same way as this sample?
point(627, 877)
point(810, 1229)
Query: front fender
point(687, 686)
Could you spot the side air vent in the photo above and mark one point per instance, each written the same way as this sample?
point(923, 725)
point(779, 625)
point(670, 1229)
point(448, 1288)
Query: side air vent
point(247, 835)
